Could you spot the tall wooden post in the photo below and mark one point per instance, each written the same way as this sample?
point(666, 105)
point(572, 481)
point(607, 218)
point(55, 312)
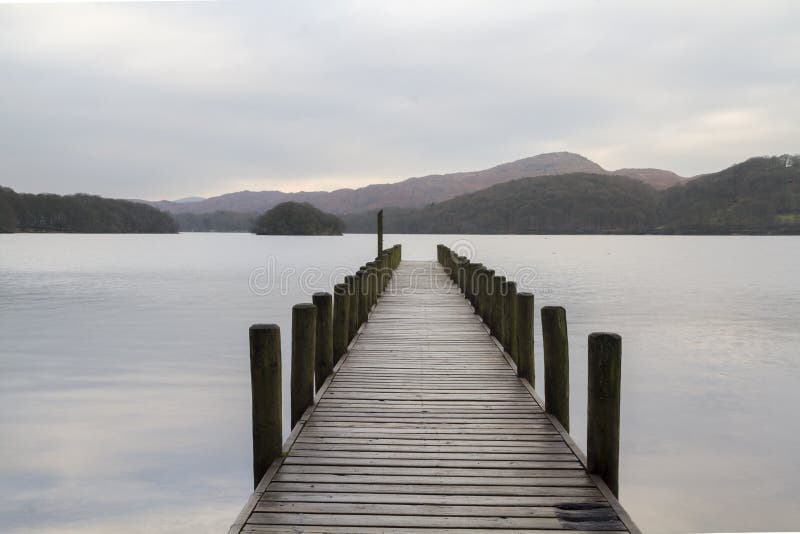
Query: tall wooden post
point(510, 323)
point(556, 363)
point(341, 321)
point(487, 289)
point(497, 307)
point(363, 296)
point(304, 319)
point(380, 232)
point(352, 306)
point(525, 367)
point(602, 423)
point(323, 353)
point(265, 385)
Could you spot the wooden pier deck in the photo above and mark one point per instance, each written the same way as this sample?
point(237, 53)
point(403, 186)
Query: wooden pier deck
point(425, 427)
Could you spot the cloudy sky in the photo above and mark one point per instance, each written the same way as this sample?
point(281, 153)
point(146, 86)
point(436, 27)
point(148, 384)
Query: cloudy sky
point(165, 100)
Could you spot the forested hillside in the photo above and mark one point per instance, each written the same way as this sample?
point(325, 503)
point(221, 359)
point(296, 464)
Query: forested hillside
point(23, 212)
point(758, 196)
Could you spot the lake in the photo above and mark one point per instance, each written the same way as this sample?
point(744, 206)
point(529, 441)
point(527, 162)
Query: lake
point(124, 374)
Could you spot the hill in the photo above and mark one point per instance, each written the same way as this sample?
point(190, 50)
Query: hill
point(23, 212)
point(413, 192)
point(760, 195)
point(293, 218)
point(572, 203)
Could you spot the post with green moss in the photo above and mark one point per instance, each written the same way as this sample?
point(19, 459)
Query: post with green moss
point(304, 325)
point(510, 323)
point(380, 232)
point(487, 288)
point(525, 367)
point(602, 424)
point(352, 306)
point(497, 307)
point(323, 353)
point(556, 363)
point(341, 321)
point(363, 296)
point(265, 384)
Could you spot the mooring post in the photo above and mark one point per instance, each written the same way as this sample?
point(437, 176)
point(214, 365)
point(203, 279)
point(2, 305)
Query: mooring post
point(497, 307)
point(352, 306)
point(304, 319)
point(372, 284)
point(380, 232)
point(265, 384)
point(341, 321)
point(602, 423)
point(511, 321)
point(323, 353)
point(525, 367)
point(488, 294)
point(363, 296)
point(556, 363)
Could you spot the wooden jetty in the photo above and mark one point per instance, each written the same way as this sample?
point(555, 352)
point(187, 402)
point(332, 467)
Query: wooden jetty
point(428, 422)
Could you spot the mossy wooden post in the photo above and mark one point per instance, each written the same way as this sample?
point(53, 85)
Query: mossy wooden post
point(602, 423)
point(323, 353)
point(497, 307)
point(341, 321)
point(487, 285)
point(352, 306)
point(474, 289)
point(265, 384)
point(363, 296)
point(556, 363)
point(372, 284)
point(304, 325)
point(511, 320)
point(380, 232)
point(525, 367)
point(503, 328)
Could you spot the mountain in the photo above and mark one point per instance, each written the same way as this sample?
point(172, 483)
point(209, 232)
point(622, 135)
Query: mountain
point(23, 212)
point(658, 178)
point(758, 196)
point(413, 192)
point(187, 200)
point(574, 203)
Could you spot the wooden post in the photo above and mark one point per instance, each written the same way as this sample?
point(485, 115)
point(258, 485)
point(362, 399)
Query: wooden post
point(304, 319)
point(474, 289)
point(602, 423)
point(341, 321)
point(497, 307)
point(556, 363)
point(511, 321)
point(503, 328)
point(525, 367)
point(323, 353)
point(487, 285)
point(363, 296)
point(265, 385)
point(352, 306)
point(372, 284)
point(380, 232)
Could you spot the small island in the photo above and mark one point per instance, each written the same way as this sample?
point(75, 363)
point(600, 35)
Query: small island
point(296, 218)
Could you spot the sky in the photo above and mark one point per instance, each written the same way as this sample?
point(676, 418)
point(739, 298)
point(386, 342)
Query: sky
point(162, 100)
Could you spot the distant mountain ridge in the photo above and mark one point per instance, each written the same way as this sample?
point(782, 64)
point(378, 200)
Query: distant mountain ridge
point(758, 196)
point(415, 192)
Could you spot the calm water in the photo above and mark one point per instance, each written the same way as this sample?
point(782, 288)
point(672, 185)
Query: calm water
point(124, 379)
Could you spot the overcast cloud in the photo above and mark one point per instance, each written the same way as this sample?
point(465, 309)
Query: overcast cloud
point(164, 100)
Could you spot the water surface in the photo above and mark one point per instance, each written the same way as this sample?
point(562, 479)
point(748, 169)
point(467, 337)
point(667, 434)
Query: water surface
point(124, 379)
